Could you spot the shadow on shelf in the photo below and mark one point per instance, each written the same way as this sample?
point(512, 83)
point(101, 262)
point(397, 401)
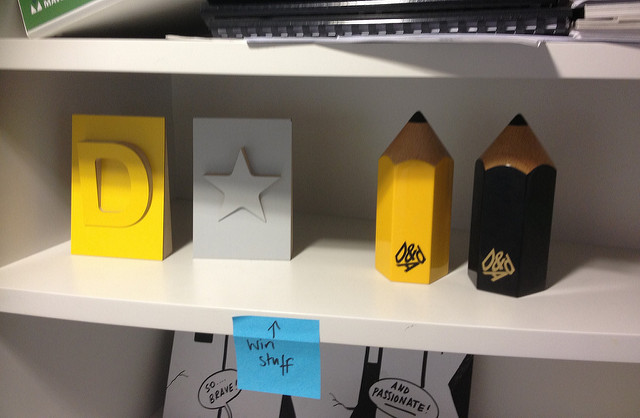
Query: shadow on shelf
point(181, 223)
point(517, 58)
point(458, 250)
point(464, 59)
point(567, 258)
point(311, 229)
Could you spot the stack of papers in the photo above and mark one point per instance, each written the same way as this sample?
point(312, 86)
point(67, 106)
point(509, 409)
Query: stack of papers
point(610, 21)
point(359, 18)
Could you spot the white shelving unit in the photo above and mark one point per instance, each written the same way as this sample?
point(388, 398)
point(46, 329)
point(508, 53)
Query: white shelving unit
point(488, 59)
point(347, 101)
point(331, 280)
point(581, 317)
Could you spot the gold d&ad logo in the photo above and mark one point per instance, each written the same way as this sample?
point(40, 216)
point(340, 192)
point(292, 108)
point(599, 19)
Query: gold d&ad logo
point(497, 265)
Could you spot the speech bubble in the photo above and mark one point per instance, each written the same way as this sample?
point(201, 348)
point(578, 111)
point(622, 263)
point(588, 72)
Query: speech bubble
point(219, 389)
point(402, 399)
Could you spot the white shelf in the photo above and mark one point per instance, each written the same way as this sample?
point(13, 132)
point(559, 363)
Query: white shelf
point(557, 59)
point(589, 312)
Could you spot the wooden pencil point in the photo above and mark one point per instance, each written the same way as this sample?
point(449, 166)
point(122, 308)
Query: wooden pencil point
point(518, 147)
point(417, 141)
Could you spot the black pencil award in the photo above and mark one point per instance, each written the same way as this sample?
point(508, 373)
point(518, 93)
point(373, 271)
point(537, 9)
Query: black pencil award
point(513, 191)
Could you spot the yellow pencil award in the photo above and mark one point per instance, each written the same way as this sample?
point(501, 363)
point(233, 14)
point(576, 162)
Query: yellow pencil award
point(413, 217)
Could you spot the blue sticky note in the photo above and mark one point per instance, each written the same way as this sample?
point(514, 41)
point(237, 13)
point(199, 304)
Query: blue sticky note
point(278, 355)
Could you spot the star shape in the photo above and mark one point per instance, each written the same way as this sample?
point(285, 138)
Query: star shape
point(241, 188)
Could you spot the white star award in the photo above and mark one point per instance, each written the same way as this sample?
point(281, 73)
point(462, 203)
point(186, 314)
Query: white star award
point(241, 188)
point(242, 206)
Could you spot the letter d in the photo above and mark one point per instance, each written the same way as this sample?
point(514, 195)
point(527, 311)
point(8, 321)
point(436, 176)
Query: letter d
point(138, 196)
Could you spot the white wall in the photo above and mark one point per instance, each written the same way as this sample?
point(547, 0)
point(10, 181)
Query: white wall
point(342, 126)
point(70, 369)
point(35, 146)
point(11, 20)
point(534, 388)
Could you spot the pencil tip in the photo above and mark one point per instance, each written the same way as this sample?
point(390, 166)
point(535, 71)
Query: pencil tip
point(418, 117)
point(518, 121)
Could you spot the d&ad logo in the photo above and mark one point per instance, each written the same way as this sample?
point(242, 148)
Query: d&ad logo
point(497, 265)
point(409, 256)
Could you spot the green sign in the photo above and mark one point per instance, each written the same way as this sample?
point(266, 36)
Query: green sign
point(38, 12)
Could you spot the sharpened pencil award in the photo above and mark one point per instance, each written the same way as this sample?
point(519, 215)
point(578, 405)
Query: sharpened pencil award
point(413, 214)
point(513, 191)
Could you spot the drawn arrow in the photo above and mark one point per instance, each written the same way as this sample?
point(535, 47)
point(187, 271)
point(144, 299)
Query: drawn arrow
point(273, 328)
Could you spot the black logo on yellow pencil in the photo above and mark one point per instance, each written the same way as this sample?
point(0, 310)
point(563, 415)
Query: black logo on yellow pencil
point(497, 265)
point(409, 257)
